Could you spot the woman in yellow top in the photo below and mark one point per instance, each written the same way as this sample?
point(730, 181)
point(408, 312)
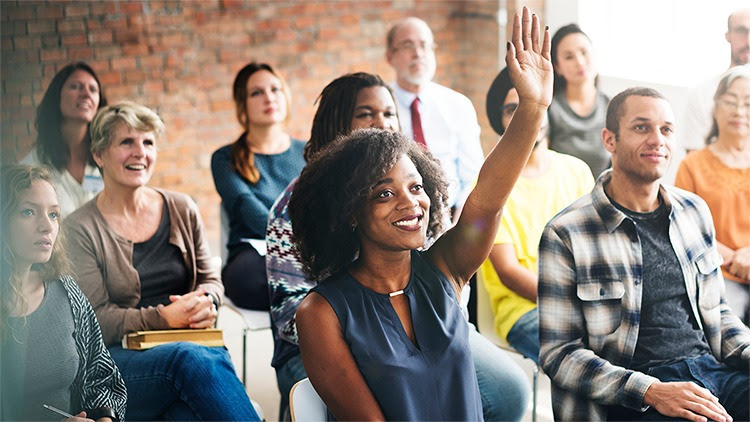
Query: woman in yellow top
point(720, 174)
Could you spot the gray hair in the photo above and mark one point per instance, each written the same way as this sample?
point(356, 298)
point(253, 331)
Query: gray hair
point(133, 115)
point(731, 75)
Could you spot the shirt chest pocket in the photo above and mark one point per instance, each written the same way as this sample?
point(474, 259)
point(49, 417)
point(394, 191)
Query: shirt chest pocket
point(601, 304)
point(708, 280)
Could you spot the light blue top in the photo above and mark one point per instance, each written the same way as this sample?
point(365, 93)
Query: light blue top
point(432, 380)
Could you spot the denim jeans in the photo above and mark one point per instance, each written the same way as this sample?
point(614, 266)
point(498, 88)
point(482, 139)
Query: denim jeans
point(503, 385)
point(287, 375)
point(730, 385)
point(182, 381)
point(524, 336)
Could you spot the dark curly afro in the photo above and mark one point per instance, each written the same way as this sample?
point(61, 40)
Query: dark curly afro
point(333, 189)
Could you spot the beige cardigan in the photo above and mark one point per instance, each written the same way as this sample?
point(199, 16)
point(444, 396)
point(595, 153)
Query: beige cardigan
point(103, 262)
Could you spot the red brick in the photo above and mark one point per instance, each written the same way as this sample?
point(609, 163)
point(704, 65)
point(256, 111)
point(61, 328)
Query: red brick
point(85, 54)
point(151, 62)
point(103, 8)
point(20, 13)
point(52, 55)
point(38, 26)
point(232, 4)
point(135, 49)
point(123, 63)
point(71, 25)
point(7, 44)
point(74, 39)
point(109, 78)
point(50, 11)
point(131, 7)
point(127, 36)
point(77, 9)
point(50, 40)
point(100, 37)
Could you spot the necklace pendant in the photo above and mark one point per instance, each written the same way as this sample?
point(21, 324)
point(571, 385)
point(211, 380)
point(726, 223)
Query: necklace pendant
point(396, 293)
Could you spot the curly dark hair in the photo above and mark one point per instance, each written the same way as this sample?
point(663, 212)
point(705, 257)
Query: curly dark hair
point(52, 151)
point(333, 190)
point(336, 108)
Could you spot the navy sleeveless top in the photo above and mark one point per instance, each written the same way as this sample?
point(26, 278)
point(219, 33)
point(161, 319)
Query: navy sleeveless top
point(433, 380)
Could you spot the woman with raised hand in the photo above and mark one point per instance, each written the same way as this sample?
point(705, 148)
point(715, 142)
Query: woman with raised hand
point(385, 320)
point(144, 264)
point(350, 102)
point(249, 175)
point(63, 143)
point(578, 110)
point(720, 174)
point(52, 348)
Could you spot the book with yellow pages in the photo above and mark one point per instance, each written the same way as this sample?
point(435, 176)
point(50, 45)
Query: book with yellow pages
point(142, 340)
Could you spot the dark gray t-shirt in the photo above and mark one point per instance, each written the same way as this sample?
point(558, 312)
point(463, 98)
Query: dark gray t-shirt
point(668, 330)
point(579, 136)
point(40, 358)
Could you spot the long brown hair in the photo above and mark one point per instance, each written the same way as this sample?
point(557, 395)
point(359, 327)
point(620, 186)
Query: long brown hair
point(15, 180)
point(243, 161)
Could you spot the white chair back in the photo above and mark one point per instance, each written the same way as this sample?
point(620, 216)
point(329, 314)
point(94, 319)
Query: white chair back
point(305, 404)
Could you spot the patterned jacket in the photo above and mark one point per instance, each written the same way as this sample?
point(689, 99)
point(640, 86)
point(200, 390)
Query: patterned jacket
point(590, 286)
point(98, 383)
point(287, 282)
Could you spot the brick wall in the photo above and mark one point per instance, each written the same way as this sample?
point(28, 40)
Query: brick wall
point(180, 58)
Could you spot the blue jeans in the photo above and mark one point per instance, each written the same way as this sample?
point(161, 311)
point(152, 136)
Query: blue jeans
point(287, 375)
point(730, 385)
point(502, 383)
point(524, 336)
point(182, 381)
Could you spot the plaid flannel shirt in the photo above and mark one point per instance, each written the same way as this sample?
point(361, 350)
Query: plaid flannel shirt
point(590, 286)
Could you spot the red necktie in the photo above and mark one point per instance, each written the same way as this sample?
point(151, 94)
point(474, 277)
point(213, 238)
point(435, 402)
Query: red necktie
point(416, 123)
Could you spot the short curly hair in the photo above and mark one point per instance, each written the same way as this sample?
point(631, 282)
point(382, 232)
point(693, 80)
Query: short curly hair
point(333, 190)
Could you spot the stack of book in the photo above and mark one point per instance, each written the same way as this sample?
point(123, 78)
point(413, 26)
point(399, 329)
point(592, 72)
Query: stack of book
point(142, 340)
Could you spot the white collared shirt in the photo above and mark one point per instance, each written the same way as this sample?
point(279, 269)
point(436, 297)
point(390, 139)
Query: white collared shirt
point(71, 194)
point(451, 130)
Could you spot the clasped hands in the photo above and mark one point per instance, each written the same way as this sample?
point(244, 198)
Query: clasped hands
point(191, 310)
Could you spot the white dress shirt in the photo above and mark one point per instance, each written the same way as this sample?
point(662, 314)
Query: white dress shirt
point(451, 130)
point(71, 194)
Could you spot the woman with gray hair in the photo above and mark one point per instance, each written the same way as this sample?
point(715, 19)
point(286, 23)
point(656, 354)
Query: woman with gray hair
point(143, 262)
point(720, 174)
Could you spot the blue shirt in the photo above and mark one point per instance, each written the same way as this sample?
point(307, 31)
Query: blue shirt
point(248, 204)
point(432, 380)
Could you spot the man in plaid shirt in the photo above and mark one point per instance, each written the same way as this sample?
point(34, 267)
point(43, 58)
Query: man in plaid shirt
point(633, 323)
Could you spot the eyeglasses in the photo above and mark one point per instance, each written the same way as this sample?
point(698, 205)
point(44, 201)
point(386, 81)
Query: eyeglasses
point(509, 109)
point(732, 105)
point(742, 31)
point(412, 47)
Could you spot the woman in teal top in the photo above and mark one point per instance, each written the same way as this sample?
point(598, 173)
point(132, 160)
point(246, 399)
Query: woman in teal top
point(382, 337)
point(250, 174)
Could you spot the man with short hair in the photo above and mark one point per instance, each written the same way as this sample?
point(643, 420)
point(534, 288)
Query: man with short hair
point(633, 323)
point(437, 117)
point(699, 110)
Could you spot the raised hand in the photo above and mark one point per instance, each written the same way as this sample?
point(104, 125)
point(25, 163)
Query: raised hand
point(528, 60)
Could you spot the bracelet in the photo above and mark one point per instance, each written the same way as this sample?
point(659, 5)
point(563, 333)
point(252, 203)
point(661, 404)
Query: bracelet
point(214, 299)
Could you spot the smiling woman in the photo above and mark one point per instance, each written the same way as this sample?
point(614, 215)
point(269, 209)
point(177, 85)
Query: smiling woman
point(144, 264)
point(63, 142)
point(385, 318)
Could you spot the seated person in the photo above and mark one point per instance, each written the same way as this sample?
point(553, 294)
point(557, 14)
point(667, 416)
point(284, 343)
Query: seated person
point(144, 264)
point(249, 175)
point(63, 142)
point(633, 323)
point(354, 101)
point(720, 175)
point(385, 319)
point(52, 349)
point(549, 182)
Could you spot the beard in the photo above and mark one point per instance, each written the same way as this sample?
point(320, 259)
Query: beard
point(420, 77)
